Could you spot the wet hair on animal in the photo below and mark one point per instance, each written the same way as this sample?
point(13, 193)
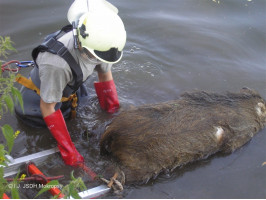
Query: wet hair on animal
point(149, 139)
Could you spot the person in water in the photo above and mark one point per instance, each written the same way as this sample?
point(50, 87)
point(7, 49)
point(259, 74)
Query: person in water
point(62, 63)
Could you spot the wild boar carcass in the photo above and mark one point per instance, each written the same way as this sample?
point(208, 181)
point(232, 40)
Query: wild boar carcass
point(149, 139)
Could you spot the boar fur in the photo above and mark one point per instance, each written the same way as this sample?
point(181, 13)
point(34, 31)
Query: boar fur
point(149, 139)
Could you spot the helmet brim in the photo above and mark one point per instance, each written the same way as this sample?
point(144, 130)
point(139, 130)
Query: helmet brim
point(112, 56)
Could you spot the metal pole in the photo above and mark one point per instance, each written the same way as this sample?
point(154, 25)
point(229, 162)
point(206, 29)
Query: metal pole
point(37, 158)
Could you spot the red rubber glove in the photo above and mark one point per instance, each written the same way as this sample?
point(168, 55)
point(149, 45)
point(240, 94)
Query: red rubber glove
point(107, 95)
point(57, 126)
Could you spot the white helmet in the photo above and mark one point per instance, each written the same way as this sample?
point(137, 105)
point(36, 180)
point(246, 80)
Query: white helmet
point(103, 35)
point(79, 7)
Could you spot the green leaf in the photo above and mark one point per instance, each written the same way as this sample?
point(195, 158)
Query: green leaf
point(17, 95)
point(8, 134)
point(3, 164)
point(73, 192)
point(56, 196)
point(2, 180)
point(14, 188)
point(9, 102)
point(2, 153)
point(4, 108)
point(14, 191)
point(6, 45)
point(72, 175)
point(3, 159)
point(82, 185)
point(48, 187)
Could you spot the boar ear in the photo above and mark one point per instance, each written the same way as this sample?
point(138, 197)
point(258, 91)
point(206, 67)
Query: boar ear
point(248, 91)
point(105, 144)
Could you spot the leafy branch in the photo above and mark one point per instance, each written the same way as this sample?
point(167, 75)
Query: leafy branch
point(8, 96)
point(6, 46)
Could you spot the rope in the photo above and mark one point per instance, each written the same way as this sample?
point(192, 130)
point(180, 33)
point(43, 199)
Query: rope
point(27, 83)
point(113, 183)
point(19, 65)
point(30, 85)
point(37, 177)
point(5, 66)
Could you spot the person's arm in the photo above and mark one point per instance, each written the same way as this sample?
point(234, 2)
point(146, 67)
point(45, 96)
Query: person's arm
point(105, 76)
point(106, 92)
point(47, 108)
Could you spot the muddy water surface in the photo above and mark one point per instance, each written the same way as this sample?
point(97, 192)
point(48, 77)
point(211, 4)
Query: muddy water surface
point(173, 46)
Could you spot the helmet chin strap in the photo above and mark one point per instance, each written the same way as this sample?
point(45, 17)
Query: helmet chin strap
point(88, 55)
point(79, 45)
point(75, 35)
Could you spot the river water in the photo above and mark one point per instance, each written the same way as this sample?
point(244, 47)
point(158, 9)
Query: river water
point(172, 46)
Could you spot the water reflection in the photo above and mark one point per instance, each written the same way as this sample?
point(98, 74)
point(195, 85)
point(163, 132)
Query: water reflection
point(173, 46)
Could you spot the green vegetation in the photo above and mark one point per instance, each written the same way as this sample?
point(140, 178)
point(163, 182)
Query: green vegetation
point(69, 191)
point(8, 95)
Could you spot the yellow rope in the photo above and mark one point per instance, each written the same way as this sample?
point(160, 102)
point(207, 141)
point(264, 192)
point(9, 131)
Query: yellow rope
point(30, 85)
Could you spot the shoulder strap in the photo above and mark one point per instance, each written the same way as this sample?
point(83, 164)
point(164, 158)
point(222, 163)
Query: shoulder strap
point(55, 47)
